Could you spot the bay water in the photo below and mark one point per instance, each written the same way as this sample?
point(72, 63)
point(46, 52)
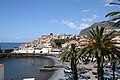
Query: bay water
point(18, 68)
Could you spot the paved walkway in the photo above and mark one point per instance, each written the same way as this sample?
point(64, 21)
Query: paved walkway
point(60, 72)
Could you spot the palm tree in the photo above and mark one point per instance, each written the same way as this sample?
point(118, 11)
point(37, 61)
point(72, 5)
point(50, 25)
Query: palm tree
point(115, 15)
point(114, 57)
point(100, 46)
point(70, 54)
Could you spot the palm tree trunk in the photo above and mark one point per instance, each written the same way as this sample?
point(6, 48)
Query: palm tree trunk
point(100, 69)
point(113, 68)
point(74, 69)
point(75, 72)
point(72, 65)
point(101, 72)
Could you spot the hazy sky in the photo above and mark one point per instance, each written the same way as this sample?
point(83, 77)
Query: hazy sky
point(26, 20)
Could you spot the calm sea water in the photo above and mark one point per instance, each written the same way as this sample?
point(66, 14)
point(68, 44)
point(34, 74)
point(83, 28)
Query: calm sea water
point(8, 45)
point(26, 67)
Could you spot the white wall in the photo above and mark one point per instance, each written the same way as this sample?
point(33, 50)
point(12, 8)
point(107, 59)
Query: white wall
point(44, 50)
point(54, 52)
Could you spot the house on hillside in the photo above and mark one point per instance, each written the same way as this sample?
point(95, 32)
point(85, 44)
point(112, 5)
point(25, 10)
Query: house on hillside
point(70, 42)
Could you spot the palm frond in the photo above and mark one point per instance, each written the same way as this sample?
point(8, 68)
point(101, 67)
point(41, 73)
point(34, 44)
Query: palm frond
point(115, 18)
point(112, 14)
point(109, 34)
point(102, 31)
point(113, 3)
point(97, 30)
point(92, 32)
point(117, 23)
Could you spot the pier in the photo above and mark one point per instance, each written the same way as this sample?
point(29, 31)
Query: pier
point(24, 54)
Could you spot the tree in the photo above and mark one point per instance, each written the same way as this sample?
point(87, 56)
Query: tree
point(51, 34)
point(115, 15)
point(100, 46)
point(114, 56)
point(71, 54)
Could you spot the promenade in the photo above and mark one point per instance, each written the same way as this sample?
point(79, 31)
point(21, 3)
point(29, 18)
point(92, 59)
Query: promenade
point(60, 72)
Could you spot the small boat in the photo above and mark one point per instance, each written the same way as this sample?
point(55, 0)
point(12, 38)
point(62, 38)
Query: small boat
point(95, 72)
point(117, 73)
point(48, 69)
point(81, 78)
point(29, 79)
point(68, 71)
point(85, 76)
point(106, 75)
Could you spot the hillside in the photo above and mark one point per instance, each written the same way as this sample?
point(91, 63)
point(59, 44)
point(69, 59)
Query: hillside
point(105, 24)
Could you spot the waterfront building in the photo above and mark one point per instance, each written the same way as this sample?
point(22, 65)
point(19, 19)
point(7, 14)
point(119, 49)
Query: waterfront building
point(44, 44)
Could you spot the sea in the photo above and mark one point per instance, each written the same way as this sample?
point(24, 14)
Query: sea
point(10, 45)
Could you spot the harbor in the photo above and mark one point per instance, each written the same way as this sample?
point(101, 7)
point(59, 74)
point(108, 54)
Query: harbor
point(19, 68)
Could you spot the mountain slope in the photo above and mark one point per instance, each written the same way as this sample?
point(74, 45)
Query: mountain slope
point(105, 24)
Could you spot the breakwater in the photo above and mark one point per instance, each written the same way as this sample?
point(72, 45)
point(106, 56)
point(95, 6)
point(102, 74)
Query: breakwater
point(25, 54)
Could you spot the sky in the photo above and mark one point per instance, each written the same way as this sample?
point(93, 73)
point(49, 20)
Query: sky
point(26, 20)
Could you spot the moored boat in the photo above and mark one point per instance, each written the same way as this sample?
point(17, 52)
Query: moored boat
point(29, 79)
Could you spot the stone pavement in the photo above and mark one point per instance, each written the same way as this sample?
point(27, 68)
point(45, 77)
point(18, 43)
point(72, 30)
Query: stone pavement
point(60, 72)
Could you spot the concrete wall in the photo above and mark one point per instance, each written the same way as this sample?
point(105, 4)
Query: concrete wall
point(1, 72)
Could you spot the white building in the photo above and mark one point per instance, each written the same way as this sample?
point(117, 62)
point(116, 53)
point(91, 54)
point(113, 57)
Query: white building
point(55, 51)
point(48, 45)
point(44, 50)
point(26, 50)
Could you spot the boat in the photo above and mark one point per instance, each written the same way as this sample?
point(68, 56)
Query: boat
point(85, 76)
point(29, 79)
point(3, 55)
point(67, 71)
point(94, 72)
